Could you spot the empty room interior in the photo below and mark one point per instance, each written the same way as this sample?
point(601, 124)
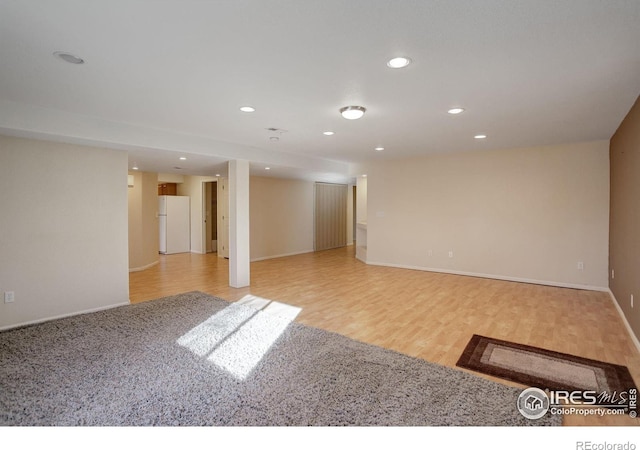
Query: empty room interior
point(409, 176)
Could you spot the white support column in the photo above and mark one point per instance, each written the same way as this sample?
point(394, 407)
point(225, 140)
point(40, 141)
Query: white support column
point(239, 256)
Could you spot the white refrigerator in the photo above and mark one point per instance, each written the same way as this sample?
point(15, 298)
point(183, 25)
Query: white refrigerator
point(175, 224)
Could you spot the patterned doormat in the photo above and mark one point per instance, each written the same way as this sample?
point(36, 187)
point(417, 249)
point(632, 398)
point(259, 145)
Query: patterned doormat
point(546, 369)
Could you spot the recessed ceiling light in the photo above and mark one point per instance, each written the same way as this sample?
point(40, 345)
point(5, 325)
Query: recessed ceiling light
point(399, 62)
point(267, 168)
point(352, 112)
point(68, 57)
point(455, 110)
point(328, 133)
point(379, 149)
point(217, 175)
point(247, 109)
point(480, 136)
point(182, 158)
point(364, 175)
point(134, 168)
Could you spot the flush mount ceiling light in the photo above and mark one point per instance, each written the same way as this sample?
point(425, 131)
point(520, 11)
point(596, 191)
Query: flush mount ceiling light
point(68, 57)
point(399, 62)
point(480, 136)
point(456, 110)
point(352, 112)
point(247, 109)
point(328, 133)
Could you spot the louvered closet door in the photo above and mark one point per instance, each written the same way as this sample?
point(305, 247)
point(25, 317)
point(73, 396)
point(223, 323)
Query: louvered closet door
point(330, 216)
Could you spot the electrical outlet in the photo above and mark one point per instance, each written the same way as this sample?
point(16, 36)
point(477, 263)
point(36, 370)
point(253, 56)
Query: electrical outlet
point(9, 297)
point(580, 265)
point(430, 253)
point(450, 253)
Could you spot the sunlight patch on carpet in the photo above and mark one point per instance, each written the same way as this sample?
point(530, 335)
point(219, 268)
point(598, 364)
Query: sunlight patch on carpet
point(237, 338)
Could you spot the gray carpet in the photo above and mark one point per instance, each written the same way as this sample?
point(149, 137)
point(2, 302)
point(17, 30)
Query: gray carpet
point(145, 364)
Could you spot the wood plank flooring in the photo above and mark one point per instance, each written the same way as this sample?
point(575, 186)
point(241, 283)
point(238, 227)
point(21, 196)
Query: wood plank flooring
point(427, 315)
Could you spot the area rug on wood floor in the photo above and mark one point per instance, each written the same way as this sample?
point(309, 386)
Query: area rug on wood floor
point(196, 360)
point(542, 368)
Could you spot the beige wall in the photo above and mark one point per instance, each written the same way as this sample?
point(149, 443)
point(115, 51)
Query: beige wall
point(143, 221)
point(522, 214)
point(170, 178)
point(624, 243)
point(63, 243)
point(281, 216)
point(361, 200)
point(361, 218)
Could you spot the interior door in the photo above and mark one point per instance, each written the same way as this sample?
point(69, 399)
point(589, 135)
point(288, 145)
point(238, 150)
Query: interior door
point(208, 216)
point(223, 218)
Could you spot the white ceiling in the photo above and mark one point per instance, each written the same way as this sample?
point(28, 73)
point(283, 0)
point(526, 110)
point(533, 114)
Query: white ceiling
point(166, 78)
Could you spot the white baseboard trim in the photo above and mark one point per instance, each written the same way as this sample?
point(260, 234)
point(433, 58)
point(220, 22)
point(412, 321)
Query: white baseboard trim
point(62, 316)
point(624, 319)
point(141, 268)
point(281, 256)
point(585, 287)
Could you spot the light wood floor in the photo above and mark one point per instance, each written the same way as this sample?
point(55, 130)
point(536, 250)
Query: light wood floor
point(427, 315)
